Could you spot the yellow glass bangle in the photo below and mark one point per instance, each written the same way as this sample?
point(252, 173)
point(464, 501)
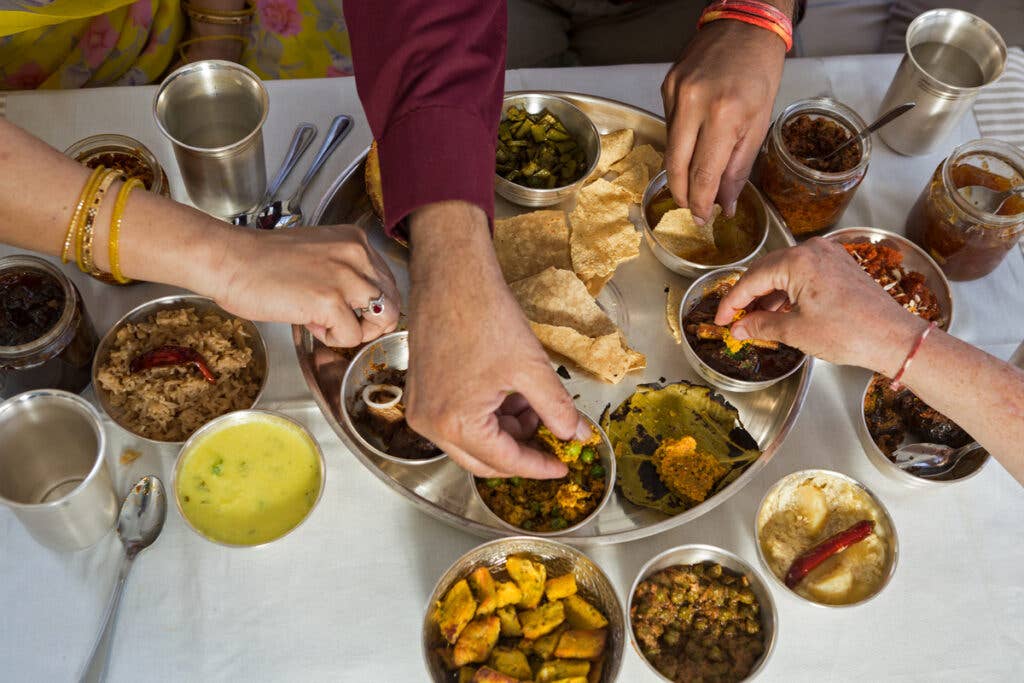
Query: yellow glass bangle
point(83, 254)
point(115, 229)
point(76, 217)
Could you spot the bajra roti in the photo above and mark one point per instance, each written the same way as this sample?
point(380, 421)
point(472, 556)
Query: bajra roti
point(568, 322)
point(644, 154)
point(680, 234)
point(529, 243)
point(602, 235)
point(614, 146)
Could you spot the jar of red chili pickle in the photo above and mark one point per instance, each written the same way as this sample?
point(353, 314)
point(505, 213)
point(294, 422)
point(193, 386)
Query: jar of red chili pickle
point(966, 242)
point(125, 154)
point(46, 338)
point(811, 195)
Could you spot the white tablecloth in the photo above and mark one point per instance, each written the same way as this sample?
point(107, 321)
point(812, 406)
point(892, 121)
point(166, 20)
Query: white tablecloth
point(343, 599)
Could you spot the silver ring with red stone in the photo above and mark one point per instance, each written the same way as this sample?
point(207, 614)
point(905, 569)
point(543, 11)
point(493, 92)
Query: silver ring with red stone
point(374, 307)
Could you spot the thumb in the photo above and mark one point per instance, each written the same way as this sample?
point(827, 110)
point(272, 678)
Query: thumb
point(767, 325)
point(552, 403)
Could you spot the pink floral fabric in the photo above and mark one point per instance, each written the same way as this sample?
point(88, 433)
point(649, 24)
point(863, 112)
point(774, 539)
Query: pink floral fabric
point(280, 16)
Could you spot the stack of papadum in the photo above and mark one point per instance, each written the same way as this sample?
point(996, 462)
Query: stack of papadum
point(556, 264)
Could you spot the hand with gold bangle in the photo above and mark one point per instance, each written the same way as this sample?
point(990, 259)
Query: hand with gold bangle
point(116, 231)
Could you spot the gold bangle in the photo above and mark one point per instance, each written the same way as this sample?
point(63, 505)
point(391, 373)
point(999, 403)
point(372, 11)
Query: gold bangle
point(84, 250)
point(205, 39)
point(76, 217)
point(115, 229)
point(220, 17)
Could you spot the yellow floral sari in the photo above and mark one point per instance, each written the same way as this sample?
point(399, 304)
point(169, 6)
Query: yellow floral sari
point(80, 43)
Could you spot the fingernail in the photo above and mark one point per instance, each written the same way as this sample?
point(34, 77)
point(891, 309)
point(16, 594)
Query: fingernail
point(730, 210)
point(583, 430)
point(739, 332)
point(698, 220)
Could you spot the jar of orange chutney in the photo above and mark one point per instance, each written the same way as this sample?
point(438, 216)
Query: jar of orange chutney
point(967, 242)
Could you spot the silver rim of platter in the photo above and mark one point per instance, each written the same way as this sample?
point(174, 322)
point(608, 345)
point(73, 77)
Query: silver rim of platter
point(634, 299)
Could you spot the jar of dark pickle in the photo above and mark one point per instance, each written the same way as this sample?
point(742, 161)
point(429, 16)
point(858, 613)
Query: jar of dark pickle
point(966, 242)
point(811, 195)
point(125, 154)
point(47, 340)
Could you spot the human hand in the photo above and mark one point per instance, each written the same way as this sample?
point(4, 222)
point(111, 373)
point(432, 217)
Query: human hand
point(315, 277)
point(478, 379)
point(816, 298)
point(718, 103)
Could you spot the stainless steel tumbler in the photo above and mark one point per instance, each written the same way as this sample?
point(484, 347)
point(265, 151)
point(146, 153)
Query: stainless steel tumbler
point(213, 112)
point(52, 472)
point(950, 56)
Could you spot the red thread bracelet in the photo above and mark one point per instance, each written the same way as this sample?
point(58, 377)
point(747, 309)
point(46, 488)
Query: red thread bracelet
point(895, 384)
point(760, 14)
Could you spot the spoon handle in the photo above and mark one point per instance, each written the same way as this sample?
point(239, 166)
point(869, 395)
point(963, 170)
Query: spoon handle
point(96, 669)
point(339, 129)
point(301, 139)
point(885, 118)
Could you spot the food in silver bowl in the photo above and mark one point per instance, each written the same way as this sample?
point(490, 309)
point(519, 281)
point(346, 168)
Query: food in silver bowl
point(700, 613)
point(826, 538)
point(523, 608)
point(892, 419)
point(373, 402)
point(172, 365)
point(550, 507)
point(689, 249)
point(546, 149)
point(720, 358)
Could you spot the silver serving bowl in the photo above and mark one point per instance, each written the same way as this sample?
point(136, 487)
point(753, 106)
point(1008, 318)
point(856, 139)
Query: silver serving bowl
point(693, 295)
point(576, 122)
point(804, 474)
point(229, 420)
point(751, 200)
point(914, 258)
point(695, 553)
point(594, 586)
point(607, 458)
point(389, 351)
point(965, 469)
point(141, 314)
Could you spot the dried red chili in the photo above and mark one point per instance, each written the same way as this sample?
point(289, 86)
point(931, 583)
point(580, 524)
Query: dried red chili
point(170, 355)
point(832, 545)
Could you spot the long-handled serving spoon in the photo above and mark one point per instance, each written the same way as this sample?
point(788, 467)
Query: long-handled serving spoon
point(140, 522)
point(987, 199)
point(931, 459)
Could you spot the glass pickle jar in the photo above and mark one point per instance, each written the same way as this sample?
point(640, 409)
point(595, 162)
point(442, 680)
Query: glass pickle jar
point(124, 153)
point(811, 200)
point(61, 356)
point(966, 242)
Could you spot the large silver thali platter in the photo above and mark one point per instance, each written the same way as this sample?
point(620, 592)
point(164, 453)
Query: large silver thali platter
point(635, 299)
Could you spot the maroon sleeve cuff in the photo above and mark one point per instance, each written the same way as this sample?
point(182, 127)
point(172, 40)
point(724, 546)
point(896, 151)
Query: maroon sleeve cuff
point(453, 160)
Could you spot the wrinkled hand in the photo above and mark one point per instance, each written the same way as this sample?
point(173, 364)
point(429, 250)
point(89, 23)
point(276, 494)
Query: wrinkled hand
point(718, 103)
point(478, 380)
point(816, 298)
point(315, 277)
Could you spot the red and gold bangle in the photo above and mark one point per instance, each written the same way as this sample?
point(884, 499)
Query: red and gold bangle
point(760, 14)
point(896, 385)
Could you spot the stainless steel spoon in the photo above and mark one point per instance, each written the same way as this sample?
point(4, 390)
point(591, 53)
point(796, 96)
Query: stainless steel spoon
point(303, 136)
point(884, 119)
point(987, 199)
point(140, 522)
point(289, 214)
point(931, 459)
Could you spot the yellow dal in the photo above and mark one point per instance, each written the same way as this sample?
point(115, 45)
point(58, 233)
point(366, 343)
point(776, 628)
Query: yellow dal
point(251, 482)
